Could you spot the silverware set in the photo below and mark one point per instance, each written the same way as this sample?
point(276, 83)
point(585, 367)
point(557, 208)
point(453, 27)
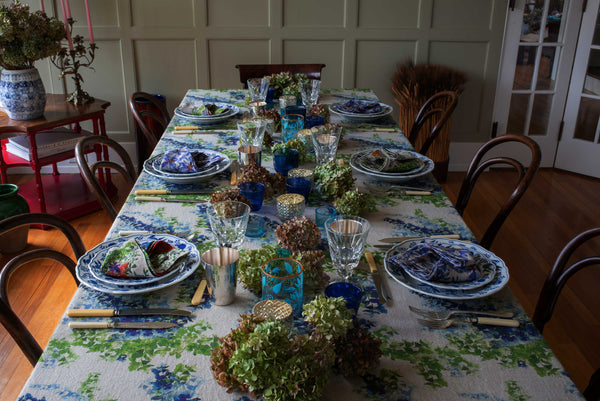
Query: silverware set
point(124, 312)
point(398, 189)
point(445, 319)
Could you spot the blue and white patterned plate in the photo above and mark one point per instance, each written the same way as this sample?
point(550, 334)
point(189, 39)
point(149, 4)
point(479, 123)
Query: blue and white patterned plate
point(186, 178)
point(358, 117)
point(185, 111)
point(391, 177)
point(499, 280)
point(487, 268)
point(92, 260)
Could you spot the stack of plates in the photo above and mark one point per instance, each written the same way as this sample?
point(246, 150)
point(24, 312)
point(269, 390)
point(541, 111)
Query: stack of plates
point(338, 110)
point(423, 168)
point(89, 266)
point(494, 273)
point(152, 167)
point(187, 111)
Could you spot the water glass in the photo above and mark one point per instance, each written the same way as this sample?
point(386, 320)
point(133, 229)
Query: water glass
point(290, 125)
point(325, 140)
point(296, 110)
point(313, 121)
point(252, 132)
point(220, 265)
point(258, 88)
point(249, 154)
point(298, 185)
point(352, 293)
point(255, 192)
point(285, 159)
point(324, 213)
point(285, 101)
point(228, 221)
point(282, 279)
point(346, 236)
point(310, 92)
point(256, 226)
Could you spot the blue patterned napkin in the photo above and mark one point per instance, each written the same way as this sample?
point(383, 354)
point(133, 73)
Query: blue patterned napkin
point(185, 161)
point(437, 263)
point(356, 106)
point(134, 260)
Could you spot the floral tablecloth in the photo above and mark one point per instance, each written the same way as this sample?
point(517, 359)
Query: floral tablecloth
point(465, 362)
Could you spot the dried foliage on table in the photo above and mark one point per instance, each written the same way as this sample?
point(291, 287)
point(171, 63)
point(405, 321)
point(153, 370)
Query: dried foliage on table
point(274, 183)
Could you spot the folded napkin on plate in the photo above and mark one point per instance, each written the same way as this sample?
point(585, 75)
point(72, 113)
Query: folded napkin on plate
point(185, 161)
point(438, 263)
point(209, 109)
point(388, 161)
point(360, 107)
point(134, 260)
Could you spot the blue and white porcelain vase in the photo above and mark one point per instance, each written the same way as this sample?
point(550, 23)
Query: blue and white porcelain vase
point(22, 94)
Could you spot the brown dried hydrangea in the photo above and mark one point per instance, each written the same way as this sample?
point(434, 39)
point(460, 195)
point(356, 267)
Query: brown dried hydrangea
point(232, 194)
point(312, 262)
point(319, 110)
point(274, 183)
point(299, 234)
point(271, 114)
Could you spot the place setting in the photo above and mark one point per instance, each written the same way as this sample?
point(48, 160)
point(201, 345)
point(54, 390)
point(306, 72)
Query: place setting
point(206, 113)
point(391, 165)
point(187, 166)
point(357, 110)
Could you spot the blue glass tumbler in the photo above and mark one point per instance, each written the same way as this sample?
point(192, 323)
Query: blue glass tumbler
point(313, 121)
point(282, 279)
point(255, 192)
point(298, 185)
point(350, 292)
point(285, 159)
point(290, 125)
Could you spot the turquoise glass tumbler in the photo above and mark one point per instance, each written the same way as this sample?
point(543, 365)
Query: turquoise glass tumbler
point(290, 125)
point(282, 280)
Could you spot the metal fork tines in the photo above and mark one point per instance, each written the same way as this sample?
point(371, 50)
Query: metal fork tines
point(490, 321)
point(444, 315)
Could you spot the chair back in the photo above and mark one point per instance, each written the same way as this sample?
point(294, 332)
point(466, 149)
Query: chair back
point(436, 110)
point(555, 282)
point(152, 118)
point(247, 71)
point(9, 319)
point(89, 171)
point(477, 166)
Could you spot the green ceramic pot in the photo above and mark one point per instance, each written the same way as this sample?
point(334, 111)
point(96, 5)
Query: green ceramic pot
point(11, 204)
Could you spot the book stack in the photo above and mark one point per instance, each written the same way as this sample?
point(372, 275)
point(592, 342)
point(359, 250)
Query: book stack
point(48, 142)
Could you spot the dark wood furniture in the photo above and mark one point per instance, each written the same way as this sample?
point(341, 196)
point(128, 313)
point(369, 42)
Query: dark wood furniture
point(89, 171)
point(9, 319)
point(478, 165)
point(247, 71)
point(151, 118)
point(435, 112)
point(65, 195)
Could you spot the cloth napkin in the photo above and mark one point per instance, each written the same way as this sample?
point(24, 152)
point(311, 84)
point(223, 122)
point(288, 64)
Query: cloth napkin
point(437, 263)
point(387, 161)
point(360, 107)
point(209, 110)
point(134, 260)
point(185, 161)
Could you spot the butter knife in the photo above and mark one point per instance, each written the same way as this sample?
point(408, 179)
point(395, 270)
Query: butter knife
point(124, 325)
point(173, 191)
point(393, 240)
point(375, 275)
point(234, 168)
point(164, 199)
point(197, 298)
point(126, 312)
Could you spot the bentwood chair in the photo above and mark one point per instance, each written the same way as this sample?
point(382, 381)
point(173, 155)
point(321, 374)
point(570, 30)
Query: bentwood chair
point(247, 71)
point(553, 286)
point(436, 112)
point(152, 118)
point(89, 171)
point(478, 165)
point(9, 319)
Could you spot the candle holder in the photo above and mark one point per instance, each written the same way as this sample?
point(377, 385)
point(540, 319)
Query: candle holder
point(70, 60)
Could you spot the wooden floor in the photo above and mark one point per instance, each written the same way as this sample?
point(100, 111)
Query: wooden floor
point(557, 206)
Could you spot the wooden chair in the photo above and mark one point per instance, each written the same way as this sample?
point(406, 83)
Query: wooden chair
point(89, 171)
point(247, 71)
point(554, 284)
point(152, 118)
point(437, 109)
point(9, 319)
point(477, 166)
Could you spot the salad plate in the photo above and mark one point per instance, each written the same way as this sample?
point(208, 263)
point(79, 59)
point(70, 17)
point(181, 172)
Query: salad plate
point(189, 112)
point(338, 110)
point(427, 167)
point(152, 167)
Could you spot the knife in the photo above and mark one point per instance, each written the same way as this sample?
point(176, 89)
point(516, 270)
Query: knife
point(164, 199)
point(393, 240)
point(126, 312)
point(199, 293)
point(234, 168)
point(125, 325)
point(376, 277)
point(172, 191)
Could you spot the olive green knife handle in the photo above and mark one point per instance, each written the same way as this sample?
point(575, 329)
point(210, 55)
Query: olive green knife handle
point(89, 325)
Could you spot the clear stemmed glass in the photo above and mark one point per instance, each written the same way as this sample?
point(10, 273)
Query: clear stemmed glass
point(258, 88)
point(252, 132)
point(325, 139)
point(228, 222)
point(346, 236)
point(310, 92)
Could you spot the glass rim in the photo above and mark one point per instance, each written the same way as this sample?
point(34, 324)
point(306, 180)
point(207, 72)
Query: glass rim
point(262, 268)
point(361, 220)
point(296, 117)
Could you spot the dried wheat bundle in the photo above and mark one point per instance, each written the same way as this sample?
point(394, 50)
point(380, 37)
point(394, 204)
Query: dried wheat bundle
point(419, 82)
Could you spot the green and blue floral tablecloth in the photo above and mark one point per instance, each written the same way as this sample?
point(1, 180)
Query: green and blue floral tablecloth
point(465, 362)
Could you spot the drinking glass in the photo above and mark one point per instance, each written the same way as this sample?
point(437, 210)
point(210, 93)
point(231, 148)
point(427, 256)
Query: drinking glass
point(352, 293)
point(325, 140)
point(252, 132)
point(255, 192)
point(324, 213)
point(310, 92)
point(290, 125)
point(249, 154)
point(285, 159)
point(220, 265)
point(346, 236)
point(285, 101)
point(228, 221)
point(298, 185)
point(258, 88)
point(282, 279)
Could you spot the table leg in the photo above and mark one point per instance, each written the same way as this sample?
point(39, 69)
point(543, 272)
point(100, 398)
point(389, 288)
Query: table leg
point(35, 165)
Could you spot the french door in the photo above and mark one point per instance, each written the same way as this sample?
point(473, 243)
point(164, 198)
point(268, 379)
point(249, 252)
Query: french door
point(579, 147)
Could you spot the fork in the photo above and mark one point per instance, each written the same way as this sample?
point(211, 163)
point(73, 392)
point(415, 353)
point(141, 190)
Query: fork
point(445, 315)
point(490, 321)
point(398, 189)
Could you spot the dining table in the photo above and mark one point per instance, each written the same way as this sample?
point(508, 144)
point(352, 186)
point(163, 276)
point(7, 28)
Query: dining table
point(462, 362)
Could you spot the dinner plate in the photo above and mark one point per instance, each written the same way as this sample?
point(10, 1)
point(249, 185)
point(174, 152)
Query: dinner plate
point(392, 177)
point(499, 280)
point(487, 268)
point(363, 162)
point(184, 111)
point(358, 117)
point(156, 162)
point(186, 178)
point(92, 260)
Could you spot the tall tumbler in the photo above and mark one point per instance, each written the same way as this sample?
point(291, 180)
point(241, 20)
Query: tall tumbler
point(282, 279)
point(220, 266)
